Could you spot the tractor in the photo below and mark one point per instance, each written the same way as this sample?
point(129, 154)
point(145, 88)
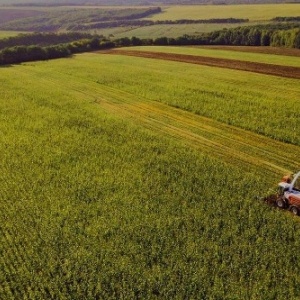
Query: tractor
point(289, 193)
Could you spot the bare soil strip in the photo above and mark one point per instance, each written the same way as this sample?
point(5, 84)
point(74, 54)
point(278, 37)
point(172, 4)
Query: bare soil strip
point(268, 69)
point(258, 49)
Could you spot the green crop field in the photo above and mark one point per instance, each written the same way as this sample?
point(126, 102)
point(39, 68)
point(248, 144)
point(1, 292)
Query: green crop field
point(224, 96)
point(134, 178)
point(253, 12)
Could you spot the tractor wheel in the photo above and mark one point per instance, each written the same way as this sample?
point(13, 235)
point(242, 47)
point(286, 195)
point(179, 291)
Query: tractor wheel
point(281, 203)
point(294, 210)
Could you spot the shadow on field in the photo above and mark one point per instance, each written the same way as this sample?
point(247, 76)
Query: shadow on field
point(20, 63)
point(270, 200)
point(5, 66)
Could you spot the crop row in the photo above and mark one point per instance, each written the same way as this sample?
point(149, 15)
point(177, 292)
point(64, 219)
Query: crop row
point(93, 205)
point(259, 103)
point(229, 143)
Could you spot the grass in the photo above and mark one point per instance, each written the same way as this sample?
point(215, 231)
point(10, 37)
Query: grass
point(104, 197)
point(226, 54)
point(253, 12)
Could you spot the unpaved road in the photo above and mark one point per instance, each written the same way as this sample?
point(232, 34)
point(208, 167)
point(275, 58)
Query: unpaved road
point(269, 69)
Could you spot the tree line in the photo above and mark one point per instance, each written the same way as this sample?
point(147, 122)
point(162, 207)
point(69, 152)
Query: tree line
point(272, 35)
point(48, 46)
point(18, 54)
point(125, 23)
point(138, 14)
point(42, 39)
point(286, 19)
point(281, 35)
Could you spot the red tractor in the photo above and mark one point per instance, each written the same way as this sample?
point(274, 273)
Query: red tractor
point(289, 193)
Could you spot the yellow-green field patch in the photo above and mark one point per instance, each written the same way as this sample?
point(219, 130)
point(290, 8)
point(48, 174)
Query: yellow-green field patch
point(257, 12)
point(5, 34)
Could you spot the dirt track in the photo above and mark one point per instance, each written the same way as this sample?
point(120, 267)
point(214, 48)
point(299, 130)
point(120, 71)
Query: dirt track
point(269, 69)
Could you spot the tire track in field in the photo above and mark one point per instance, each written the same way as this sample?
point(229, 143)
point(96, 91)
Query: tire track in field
point(229, 144)
point(236, 146)
point(262, 68)
point(190, 128)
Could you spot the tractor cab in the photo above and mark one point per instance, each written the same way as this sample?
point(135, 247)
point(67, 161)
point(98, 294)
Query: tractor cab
point(290, 183)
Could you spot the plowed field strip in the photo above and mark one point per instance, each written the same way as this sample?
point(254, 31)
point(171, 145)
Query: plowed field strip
point(269, 69)
point(236, 146)
point(259, 49)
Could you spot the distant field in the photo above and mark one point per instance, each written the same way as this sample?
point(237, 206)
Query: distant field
point(254, 12)
point(156, 31)
point(226, 54)
point(259, 12)
point(126, 177)
point(7, 14)
point(4, 34)
point(68, 17)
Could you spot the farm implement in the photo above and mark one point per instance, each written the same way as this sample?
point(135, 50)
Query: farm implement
point(288, 195)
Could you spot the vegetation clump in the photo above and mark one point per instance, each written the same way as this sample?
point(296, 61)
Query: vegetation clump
point(271, 35)
point(48, 46)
